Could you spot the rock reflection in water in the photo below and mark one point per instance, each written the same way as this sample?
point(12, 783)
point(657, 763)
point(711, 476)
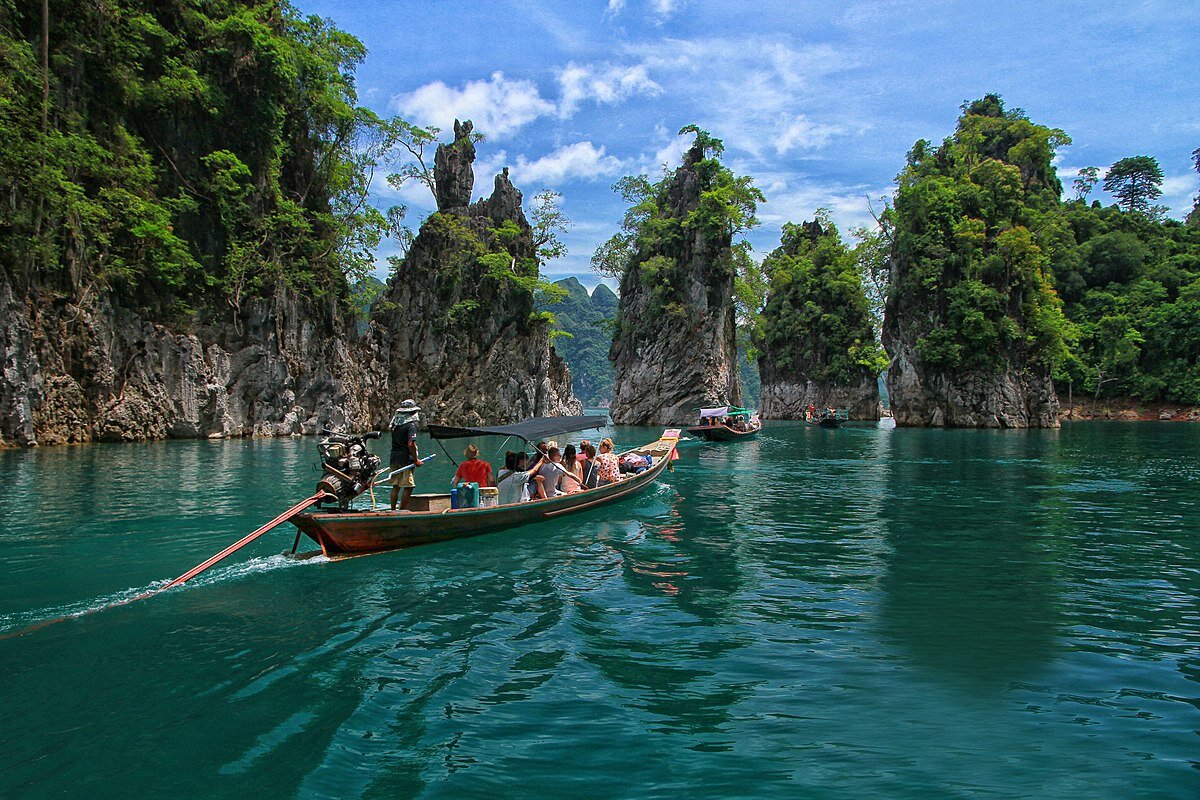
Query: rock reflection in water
point(969, 584)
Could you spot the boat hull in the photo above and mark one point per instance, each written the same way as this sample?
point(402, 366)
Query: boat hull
point(721, 433)
point(352, 532)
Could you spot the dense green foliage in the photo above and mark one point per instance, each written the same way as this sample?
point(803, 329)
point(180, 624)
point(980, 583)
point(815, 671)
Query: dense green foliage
point(817, 318)
point(1107, 297)
point(587, 322)
point(656, 239)
point(976, 225)
point(748, 377)
point(1132, 289)
point(185, 153)
point(486, 273)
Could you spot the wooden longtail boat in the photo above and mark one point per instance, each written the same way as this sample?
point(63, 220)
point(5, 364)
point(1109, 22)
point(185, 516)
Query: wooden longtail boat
point(827, 420)
point(431, 518)
point(718, 431)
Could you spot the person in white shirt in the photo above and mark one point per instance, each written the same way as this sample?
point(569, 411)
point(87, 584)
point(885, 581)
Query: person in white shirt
point(513, 480)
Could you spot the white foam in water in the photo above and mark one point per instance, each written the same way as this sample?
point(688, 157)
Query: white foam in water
point(253, 566)
point(24, 619)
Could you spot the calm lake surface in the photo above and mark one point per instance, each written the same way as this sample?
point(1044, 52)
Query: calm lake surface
point(844, 614)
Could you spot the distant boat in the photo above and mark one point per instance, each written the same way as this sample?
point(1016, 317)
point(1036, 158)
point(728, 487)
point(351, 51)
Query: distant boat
point(727, 424)
point(825, 419)
point(431, 517)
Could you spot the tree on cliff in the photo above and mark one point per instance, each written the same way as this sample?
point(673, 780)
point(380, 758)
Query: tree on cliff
point(977, 225)
point(1086, 181)
point(675, 339)
point(817, 323)
point(1136, 182)
point(725, 208)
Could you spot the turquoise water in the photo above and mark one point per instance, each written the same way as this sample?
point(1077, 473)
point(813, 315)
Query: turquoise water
point(841, 614)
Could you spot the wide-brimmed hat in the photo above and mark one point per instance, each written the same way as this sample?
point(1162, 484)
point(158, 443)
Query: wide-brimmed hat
point(408, 406)
point(471, 452)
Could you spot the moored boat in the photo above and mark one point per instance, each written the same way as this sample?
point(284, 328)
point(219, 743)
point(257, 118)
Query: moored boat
point(726, 424)
point(432, 518)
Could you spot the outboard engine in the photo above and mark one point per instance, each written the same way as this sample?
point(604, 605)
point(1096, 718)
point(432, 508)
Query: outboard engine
point(348, 465)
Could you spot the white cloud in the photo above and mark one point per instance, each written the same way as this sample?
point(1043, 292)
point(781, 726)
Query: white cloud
point(670, 154)
point(1180, 185)
point(486, 169)
point(497, 106)
point(795, 198)
point(604, 83)
point(582, 160)
point(759, 96)
point(803, 134)
point(662, 9)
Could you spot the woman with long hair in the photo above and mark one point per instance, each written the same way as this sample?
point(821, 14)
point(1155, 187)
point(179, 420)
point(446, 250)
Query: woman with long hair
point(571, 480)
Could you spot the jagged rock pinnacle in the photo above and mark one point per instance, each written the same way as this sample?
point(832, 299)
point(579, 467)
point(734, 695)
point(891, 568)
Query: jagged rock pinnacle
point(452, 172)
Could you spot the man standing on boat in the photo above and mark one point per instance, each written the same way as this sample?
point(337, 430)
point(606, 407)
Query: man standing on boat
point(404, 451)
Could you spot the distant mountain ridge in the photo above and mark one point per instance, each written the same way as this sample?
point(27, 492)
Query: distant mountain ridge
point(588, 320)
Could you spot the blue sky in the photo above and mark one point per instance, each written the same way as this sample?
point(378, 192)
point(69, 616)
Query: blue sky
point(819, 102)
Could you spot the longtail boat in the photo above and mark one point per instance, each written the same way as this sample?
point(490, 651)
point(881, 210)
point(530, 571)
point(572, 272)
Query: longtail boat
point(727, 424)
point(830, 418)
point(431, 517)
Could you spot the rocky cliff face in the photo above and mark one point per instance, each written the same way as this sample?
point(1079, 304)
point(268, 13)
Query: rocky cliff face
point(973, 325)
point(788, 397)
point(451, 331)
point(921, 397)
point(458, 329)
point(673, 357)
point(79, 370)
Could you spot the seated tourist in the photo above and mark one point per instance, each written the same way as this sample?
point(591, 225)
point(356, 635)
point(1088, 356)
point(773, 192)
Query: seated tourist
point(514, 478)
point(549, 473)
point(591, 473)
point(608, 469)
point(571, 481)
point(474, 469)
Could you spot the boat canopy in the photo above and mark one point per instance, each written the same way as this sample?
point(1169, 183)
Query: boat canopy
point(723, 411)
point(530, 430)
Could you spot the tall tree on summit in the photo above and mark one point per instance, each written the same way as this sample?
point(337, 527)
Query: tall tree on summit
point(1136, 182)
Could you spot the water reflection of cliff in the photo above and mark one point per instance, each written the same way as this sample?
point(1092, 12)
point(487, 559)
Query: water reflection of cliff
point(969, 587)
point(663, 648)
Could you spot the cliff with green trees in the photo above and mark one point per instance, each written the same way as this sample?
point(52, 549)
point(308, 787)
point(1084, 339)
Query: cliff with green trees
point(585, 322)
point(675, 343)
point(460, 327)
point(816, 336)
point(186, 210)
point(973, 325)
point(183, 191)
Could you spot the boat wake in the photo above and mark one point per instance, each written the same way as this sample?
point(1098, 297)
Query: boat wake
point(19, 624)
